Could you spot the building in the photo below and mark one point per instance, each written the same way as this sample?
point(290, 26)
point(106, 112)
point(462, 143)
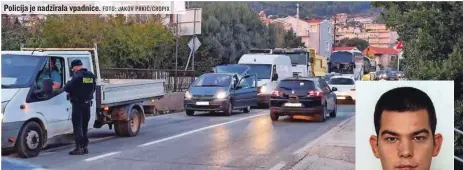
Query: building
point(345, 48)
point(378, 35)
point(300, 27)
point(382, 56)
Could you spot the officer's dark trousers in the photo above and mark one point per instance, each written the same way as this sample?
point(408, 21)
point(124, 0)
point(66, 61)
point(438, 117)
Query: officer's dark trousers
point(80, 119)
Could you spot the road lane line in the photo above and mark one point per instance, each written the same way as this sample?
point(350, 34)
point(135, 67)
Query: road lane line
point(278, 166)
point(310, 144)
point(101, 156)
point(198, 130)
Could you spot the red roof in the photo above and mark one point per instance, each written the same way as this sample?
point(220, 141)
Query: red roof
point(387, 51)
point(344, 48)
point(313, 21)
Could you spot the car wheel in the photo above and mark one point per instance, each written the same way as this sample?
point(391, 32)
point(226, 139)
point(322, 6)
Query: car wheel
point(229, 110)
point(274, 116)
point(323, 115)
point(247, 109)
point(189, 112)
point(334, 112)
point(30, 140)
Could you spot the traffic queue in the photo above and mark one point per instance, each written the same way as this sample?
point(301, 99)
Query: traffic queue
point(266, 79)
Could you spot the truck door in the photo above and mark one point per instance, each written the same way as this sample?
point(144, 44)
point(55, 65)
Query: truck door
point(86, 63)
point(55, 108)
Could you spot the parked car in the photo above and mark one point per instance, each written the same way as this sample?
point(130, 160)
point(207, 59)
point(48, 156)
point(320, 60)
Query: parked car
point(221, 92)
point(303, 96)
point(346, 88)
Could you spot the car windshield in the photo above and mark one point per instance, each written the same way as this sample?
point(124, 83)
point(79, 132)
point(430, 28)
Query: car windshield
point(296, 85)
point(298, 59)
point(18, 71)
point(238, 69)
point(263, 71)
point(341, 81)
point(213, 80)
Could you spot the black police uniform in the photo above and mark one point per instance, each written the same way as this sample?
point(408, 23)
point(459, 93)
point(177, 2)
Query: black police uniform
point(80, 89)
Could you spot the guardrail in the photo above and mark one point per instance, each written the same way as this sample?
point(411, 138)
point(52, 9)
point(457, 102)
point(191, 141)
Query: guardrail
point(460, 133)
point(176, 80)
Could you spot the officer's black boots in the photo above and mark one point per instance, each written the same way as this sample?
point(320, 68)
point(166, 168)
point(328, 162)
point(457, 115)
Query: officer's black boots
point(79, 150)
point(86, 148)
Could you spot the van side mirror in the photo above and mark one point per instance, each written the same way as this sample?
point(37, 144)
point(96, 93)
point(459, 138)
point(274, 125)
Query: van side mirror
point(275, 77)
point(47, 89)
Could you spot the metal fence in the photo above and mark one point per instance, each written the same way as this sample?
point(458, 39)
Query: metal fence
point(176, 80)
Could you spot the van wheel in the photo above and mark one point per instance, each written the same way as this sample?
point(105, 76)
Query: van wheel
point(30, 140)
point(131, 127)
point(247, 109)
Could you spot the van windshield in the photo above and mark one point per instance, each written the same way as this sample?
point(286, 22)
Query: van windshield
point(263, 71)
point(298, 58)
point(19, 71)
point(238, 69)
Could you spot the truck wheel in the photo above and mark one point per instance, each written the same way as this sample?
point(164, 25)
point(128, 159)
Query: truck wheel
point(131, 127)
point(30, 140)
point(190, 112)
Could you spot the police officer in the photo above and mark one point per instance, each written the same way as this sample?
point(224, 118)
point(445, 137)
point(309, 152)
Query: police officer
point(80, 90)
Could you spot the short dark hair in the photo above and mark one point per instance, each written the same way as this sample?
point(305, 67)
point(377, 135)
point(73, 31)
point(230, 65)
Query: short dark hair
point(405, 99)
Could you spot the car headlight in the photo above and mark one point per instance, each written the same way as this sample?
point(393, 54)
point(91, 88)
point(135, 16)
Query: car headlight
point(188, 95)
point(263, 89)
point(221, 95)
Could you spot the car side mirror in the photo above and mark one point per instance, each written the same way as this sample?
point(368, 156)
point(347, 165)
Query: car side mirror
point(275, 77)
point(334, 89)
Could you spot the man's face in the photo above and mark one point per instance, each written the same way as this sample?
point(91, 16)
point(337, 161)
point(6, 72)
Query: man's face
point(405, 141)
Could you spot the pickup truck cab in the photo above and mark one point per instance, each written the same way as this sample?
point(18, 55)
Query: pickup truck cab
point(35, 107)
point(223, 92)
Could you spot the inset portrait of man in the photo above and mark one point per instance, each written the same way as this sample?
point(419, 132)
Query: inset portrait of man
point(405, 124)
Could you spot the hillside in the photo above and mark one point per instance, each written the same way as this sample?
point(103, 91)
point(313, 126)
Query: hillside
point(307, 9)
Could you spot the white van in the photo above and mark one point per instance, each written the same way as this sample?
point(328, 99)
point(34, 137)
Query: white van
point(269, 68)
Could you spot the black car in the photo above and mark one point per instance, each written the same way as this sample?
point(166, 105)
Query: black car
point(221, 92)
point(303, 96)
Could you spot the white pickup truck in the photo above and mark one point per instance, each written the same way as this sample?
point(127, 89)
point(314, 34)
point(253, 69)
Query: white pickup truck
point(31, 117)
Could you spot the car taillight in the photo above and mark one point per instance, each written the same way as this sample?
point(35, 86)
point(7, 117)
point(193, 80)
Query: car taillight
point(276, 93)
point(314, 93)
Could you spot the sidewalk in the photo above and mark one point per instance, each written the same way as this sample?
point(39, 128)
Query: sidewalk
point(334, 151)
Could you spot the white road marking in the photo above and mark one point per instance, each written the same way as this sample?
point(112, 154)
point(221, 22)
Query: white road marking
point(198, 130)
point(278, 166)
point(101, 156)
point(310, 144)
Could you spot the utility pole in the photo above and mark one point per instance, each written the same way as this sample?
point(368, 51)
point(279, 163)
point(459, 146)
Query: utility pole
point(297, 16)
point(176, 54)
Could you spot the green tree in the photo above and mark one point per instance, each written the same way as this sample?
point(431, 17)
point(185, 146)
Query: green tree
point(292, 41)
point(359, 43)
point(13, 35)
point(433, 45)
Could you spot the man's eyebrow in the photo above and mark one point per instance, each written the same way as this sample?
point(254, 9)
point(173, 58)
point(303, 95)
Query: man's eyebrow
point(420, 131)
point(389, 132)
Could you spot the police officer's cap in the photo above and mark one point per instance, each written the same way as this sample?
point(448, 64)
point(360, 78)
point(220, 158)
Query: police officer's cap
point(76, 62)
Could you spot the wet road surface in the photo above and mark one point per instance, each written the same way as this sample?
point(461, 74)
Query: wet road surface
point(204, 141)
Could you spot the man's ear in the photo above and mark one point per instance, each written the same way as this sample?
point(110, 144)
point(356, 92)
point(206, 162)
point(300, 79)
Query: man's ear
point(374, 145)
point(437, 144)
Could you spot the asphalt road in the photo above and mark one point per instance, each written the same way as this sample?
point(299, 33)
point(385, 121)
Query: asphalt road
point(206, 141)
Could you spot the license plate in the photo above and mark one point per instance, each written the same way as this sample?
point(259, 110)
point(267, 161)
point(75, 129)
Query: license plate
point(302, 117)
point(293, 104)
point(341, 97)
point(202, 103)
